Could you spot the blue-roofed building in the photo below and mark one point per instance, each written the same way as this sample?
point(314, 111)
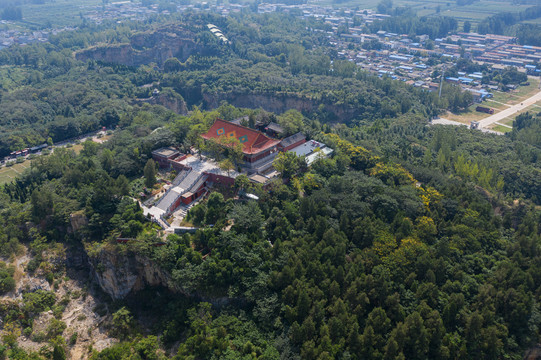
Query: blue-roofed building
point(398, 58)
point(480, 95)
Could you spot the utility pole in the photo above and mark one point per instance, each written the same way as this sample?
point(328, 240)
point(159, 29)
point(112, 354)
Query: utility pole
point(441, 80)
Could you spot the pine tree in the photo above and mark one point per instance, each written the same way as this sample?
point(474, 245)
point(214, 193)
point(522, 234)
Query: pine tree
point(150, 173)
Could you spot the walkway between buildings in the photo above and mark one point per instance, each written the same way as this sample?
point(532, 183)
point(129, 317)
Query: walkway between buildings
point(184, 185)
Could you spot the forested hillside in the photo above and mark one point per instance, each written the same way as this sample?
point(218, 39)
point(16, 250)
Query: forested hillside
point(355, 258)
point(274, 63)
point(411, 242)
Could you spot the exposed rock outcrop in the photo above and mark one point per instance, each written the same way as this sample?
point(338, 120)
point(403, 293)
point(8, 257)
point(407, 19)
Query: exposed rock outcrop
point(171, 101)
point(278, 103)
point(120, 273)
point(148, 47)
point(78, 220)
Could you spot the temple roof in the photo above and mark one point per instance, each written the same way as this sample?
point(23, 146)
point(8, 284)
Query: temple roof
point(252, 140)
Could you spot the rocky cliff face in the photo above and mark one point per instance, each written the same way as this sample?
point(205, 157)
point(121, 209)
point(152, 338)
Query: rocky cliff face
point(78, 221)
point(120, 273)
point(154, 46)
point(278, 103)
point(171, 102)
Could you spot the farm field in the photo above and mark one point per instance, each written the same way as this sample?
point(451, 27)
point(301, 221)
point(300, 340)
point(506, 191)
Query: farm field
point(61, 13)
point(474, 12)
point(8, 174)
point(56, 14)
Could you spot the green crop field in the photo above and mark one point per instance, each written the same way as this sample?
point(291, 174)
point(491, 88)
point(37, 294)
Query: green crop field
point(68, 12)
point(10, 173)
point(56, 14)
point(474, 12)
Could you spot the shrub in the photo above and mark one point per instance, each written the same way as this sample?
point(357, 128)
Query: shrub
point(73, 338)
point(55, 328)
point(7, 283)
point(38, 301)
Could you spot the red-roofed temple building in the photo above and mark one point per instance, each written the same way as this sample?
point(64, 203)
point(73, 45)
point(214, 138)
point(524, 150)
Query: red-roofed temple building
point(259, 150)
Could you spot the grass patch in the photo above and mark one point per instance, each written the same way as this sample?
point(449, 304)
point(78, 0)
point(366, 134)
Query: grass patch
point(8, 174)
point(503, 129)
point(524, 92)
point(6, 178)
point(103, 139)
point(519, 95)
point(507, 121)
point(186, 223)
point(77, 148)
point(495, 105)
point(468, 115)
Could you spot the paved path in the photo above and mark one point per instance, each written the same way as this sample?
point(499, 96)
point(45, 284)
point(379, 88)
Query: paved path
point(510, 111)
point(442, 121)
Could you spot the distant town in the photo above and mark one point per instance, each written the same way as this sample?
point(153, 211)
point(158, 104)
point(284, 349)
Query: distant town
point(413, 60)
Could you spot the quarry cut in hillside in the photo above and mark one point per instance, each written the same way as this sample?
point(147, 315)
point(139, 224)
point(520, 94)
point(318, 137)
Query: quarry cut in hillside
point(154, 46)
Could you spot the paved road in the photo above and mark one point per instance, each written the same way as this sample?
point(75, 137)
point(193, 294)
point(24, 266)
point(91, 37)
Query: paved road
point(88, 136)
point(510, 111)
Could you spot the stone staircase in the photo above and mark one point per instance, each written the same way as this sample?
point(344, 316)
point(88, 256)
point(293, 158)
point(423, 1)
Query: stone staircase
point(182, 211)
point(180, 176)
